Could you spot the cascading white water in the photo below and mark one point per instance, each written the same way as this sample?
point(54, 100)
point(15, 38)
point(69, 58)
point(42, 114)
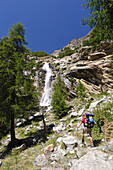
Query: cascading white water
point(45, 100)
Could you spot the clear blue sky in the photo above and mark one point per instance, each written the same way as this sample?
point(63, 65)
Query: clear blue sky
point(50, 24)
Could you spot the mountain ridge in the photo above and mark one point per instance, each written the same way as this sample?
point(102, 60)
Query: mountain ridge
point(74, 43)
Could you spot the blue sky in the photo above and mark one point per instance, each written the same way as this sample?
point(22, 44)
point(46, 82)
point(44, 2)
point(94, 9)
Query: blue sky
point(50, 24)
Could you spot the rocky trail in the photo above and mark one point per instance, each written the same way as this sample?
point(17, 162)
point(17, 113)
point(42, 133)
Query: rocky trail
point(63, 149)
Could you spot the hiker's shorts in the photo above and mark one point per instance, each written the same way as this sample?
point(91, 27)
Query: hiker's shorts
point(87, 130)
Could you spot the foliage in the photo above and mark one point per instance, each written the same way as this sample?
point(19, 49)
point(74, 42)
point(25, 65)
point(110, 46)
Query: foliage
point(101, 19)
point(67, 52)
point(39, 53)
point(72, 81)
point(94, 39)
point(80, 91)
point(86, 43)
point(17, 92)
point(103, 114)
point(58, 103)
point(77, 48)
point(88, 104)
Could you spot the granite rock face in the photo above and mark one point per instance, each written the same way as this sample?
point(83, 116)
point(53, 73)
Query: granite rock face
point(90, 66)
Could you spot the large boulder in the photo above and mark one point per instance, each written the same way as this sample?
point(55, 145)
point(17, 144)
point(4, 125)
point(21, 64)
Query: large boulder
point(93, 160)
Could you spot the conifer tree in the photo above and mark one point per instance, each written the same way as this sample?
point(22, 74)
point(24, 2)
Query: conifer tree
point(59, 105)
point(80, 91)
point(101, 19)
point(18, 94)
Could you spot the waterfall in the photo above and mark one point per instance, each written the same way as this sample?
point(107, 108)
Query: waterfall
point(45, 100)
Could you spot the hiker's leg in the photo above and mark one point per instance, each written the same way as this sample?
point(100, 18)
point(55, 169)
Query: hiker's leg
point(91, 139)
point(82, 137)
point(90, 134)
point(92, 144)
point(84, 131)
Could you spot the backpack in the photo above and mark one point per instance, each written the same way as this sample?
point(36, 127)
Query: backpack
point(89, 122)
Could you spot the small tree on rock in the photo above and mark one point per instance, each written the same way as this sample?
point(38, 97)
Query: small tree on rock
point(80, 91)
point(59, 105)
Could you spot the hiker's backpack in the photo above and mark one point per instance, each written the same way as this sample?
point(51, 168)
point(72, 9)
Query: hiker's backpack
point(89, 122)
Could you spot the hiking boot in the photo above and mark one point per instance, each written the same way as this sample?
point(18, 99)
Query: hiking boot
point(83, 141)
point(92, 145)
point(83, 145)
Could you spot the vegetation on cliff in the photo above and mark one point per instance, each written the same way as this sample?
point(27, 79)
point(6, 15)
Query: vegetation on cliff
point(39, 54)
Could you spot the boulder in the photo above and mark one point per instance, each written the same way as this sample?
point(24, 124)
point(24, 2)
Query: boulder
point(94, 104)
point(93, 160)
point(40, 161)
point(59, 140)
point(81, 111)
point(59, 127)
point(74, 114)
point(70, 142)
point(110, 143)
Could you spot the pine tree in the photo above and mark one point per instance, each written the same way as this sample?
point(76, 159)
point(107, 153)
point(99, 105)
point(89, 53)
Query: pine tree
point(80, 91)
point(59, 105)
point(101, 19)
point(18, 94)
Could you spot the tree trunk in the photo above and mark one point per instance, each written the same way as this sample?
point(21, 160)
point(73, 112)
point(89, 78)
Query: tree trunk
point(45, 128)
point(12, 128)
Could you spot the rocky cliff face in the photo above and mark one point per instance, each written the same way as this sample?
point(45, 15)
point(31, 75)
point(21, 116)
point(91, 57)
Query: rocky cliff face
point(88, 64)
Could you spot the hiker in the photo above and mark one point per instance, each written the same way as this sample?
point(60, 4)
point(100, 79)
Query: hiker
point(87, 127)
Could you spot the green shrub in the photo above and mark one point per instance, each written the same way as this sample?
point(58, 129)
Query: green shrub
point(88, 104)
point(103, 115)
point(86, 43)
point(80, 91)
point(61, 55)
point(39, 53)
point(66, 52)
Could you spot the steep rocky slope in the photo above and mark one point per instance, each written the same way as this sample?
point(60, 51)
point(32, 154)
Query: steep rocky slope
point(73, 44)
point(88, 64)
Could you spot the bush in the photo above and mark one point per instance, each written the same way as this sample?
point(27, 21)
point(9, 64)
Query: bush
point(86, 43)
point(67, 52)
point(61, 55)
point(80, 91)
point(103, 115)
point(39, 53)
